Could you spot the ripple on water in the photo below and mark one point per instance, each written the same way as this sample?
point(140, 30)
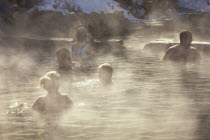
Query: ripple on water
point(149, 100)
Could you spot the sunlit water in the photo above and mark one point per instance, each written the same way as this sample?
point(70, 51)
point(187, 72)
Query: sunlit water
point(149, 100)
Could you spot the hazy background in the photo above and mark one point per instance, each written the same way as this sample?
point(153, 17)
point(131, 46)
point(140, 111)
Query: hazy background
point(149, 99)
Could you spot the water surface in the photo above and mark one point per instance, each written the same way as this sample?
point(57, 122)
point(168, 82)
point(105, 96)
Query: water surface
point(149, 100)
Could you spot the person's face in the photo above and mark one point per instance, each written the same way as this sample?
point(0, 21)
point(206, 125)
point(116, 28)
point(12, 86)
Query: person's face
point(67, 62)
point(187, 42)
point(104, 76)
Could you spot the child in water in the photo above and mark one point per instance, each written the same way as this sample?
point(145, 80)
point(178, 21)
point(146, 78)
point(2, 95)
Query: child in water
point(54, 102)
point(105, 74)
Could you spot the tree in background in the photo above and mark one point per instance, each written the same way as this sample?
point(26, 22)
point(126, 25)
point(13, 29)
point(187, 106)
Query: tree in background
point(141, 8)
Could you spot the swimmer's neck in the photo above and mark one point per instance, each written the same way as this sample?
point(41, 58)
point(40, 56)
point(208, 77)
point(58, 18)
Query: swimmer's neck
point(53, 93)
point(183, 46)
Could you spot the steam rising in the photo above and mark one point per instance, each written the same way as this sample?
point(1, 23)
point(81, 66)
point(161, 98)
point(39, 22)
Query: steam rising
point(149, 99)
point(143, 103)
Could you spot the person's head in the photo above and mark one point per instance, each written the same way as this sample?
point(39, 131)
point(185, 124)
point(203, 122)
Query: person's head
point(105, 73)
point(64, 59)
point(185, 39)
point(50, 81)
point(81, 34)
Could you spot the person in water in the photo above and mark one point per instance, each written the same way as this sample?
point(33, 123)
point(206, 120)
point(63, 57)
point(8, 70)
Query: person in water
point(82, 47)
point(105, 74)
point(183, 52)
point(64, 60)
point(54, 102)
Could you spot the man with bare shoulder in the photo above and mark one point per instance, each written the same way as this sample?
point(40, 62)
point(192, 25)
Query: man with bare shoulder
point(183, 52)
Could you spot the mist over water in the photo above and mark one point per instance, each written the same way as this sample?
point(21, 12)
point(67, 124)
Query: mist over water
point(149, 99)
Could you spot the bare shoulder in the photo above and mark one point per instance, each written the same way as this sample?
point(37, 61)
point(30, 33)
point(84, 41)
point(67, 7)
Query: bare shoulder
point(194, 50)
point(38, 103)
point(67, 99)
point(64, 95)
point(173, 48)
point(40, 99)
point(169, 52)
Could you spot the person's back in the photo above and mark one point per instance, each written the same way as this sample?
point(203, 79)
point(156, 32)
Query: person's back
point(54, 103)
point(183, 52)
point(47, 105)
point(176, 54)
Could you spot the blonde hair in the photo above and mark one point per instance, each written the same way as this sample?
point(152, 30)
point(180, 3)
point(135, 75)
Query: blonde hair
point(107, 67)
point(54, 75)
point(49, 76)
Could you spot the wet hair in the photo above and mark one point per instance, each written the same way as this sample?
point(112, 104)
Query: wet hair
point(63, 53)
point(183, 35)
point(50, 76)
point(53, 75)
point(43, 81)
point(107, 67)
point(81, 34)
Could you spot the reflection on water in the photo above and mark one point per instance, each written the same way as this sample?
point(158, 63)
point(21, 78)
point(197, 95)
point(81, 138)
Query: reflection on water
point(148, 100)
